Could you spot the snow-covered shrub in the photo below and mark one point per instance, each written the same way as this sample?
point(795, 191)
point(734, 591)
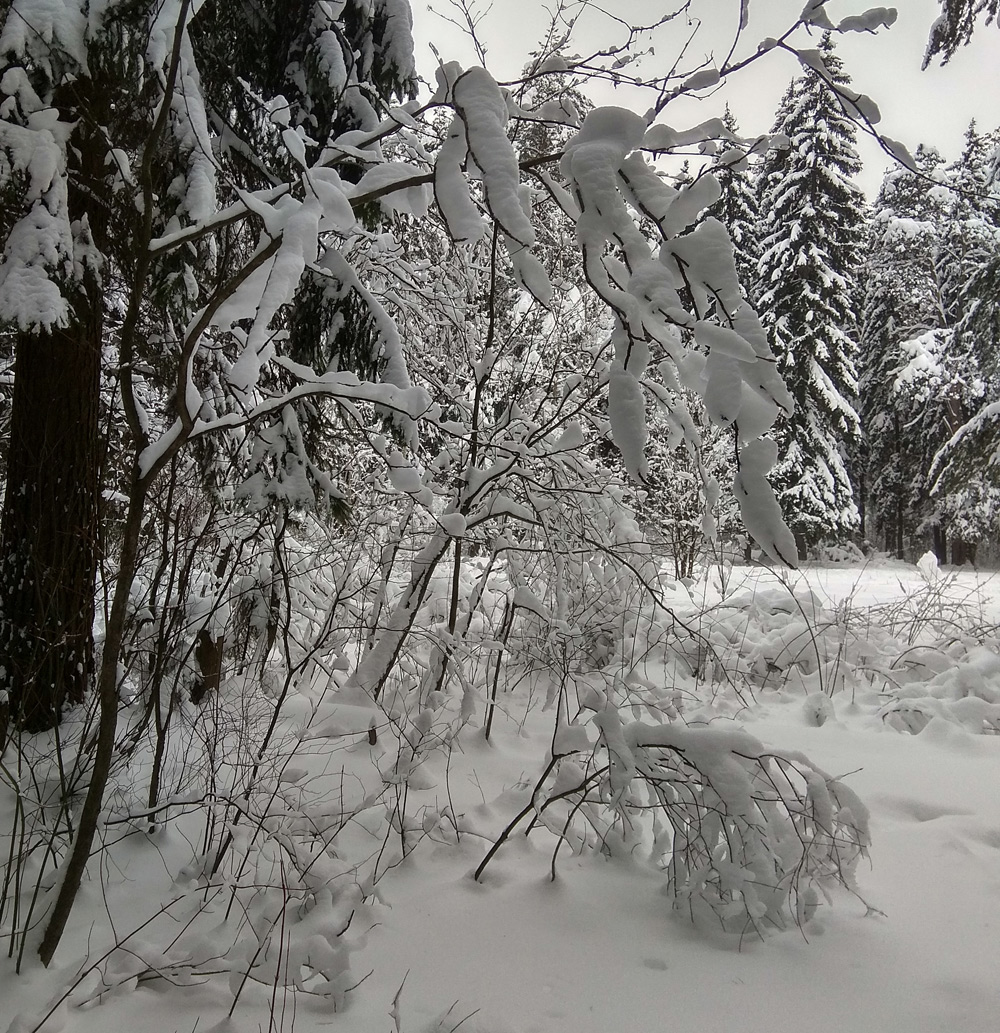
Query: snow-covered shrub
point(931, 654)
point(42, 781)
point(842, 553)
point(956, 681)
point(760, 639)
point(747, 834)
point(684, 512)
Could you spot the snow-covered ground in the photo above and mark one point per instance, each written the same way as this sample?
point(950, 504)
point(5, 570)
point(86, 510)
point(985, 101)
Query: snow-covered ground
point(892, 650)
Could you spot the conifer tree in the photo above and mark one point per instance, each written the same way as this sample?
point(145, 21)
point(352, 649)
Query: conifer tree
point(737, 207)
point(969, 224)
point(981, 293)
point(954, 27)
point(961, 423)
point(902, 302)
point(812, 218)
point(928, 365)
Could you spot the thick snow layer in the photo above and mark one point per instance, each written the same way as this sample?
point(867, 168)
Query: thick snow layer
point(451, 188)
point(601, 948)
point(41, 247)
point(397, 37)
point(35, 25)
point(388, 180)
point(758, 506)
point(873, 19)
point(483, 112)
point(662, 137)
point(626, 411)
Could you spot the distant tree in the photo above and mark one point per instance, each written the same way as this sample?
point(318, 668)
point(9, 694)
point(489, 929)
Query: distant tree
point(902, 301)
point(963, 479)
point(812, 219)
point(969, 224)
point(929, 363)
point(737, 207)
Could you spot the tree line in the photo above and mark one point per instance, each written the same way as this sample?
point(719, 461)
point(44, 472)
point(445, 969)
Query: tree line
point(883, 320)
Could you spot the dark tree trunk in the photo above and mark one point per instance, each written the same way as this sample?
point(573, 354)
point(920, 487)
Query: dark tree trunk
point(941, 545)
point(48, 534)
point(900, 551)
point(210, 652)
point(802, 545)
point(48, 529)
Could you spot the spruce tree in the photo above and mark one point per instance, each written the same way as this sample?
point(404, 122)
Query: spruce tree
point(929, 349)
point(812, 218)
point(902, 302)
point(737, 208)
point(969, 224)
point(980, 322)
point(962, 478)
point(954, 27)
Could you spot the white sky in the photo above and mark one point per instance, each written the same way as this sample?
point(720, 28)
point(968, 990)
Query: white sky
point(933, 106)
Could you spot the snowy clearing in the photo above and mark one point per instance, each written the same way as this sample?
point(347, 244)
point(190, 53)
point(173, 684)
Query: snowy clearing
point(602, 947)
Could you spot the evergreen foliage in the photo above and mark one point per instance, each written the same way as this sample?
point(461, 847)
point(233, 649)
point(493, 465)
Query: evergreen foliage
point(964, 475)
point(160, 114)
point(902, 301)
point(969, 224)
point(737, 207)
point(929, 351)
point(955, 25)
point(812, 219)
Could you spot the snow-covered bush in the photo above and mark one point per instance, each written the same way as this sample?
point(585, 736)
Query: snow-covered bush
point(744, 833)
point(847, 553)
point(933, 653)
point(686, 515)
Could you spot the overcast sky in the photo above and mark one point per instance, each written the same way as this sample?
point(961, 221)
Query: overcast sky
point(933, 106)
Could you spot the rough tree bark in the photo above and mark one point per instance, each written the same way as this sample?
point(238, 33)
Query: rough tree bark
point(48, 541)
point(48, 531)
